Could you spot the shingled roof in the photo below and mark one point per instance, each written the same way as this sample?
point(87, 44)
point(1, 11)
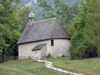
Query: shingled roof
point(38, 47)
point(43, 30)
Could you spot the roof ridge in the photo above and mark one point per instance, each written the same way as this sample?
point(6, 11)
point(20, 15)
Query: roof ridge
point(45, 20)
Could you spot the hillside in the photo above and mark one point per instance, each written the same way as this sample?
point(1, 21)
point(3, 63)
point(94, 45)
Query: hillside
point(90, 66)
point(70, 2)
point(38, 9)
point(26, 67)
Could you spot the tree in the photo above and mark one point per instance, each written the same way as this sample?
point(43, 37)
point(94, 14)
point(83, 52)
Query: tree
point(3, 30)
point(9, 22)
point(65, 12)
point(24, 17)
point(92, 28)
point(3, 44)
point(85, 31)
point(46, 9)
point(78, 47)
point(60, 9)
point(24, 12)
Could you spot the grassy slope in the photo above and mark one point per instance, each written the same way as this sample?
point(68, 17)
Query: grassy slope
point(88, 66)
point(26, 67)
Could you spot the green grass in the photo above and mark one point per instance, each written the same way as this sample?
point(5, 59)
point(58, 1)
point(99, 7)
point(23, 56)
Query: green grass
point(87, 66)
point(26, 67)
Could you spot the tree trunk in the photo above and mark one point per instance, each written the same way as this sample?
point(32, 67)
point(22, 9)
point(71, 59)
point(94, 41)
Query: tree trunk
point(98, 42)
point(98, 50)
point(3, 53)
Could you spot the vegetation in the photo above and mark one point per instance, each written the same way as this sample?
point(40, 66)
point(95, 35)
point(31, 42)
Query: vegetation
point(24, 17)
point(63, 55)
point(61, 10)
point(39, 10)
point(49, 55)
point(85, 31)
point(85, 35)
point(26, 67)
point(13, 20)
point(87, 66)
point(9, 27)
point(82, 22)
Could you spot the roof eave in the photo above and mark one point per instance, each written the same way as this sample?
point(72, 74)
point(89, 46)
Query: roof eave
point(42, 40)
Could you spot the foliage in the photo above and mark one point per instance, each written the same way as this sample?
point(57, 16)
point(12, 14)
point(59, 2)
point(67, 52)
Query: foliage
point(85, 31)
point(13, 19)
point(92, 29)
point(24, 14)
point(63, 55)
point(3, 44)
point(49, 55)
point(39, 10)
point(60, 10)
point(65, 12)
point(82, 23)
point(48, 11)
point(9, 26)
point(78, 49)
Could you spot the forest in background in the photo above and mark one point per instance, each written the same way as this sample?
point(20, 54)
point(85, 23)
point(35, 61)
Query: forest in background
point(80, 20)
point(39, 10)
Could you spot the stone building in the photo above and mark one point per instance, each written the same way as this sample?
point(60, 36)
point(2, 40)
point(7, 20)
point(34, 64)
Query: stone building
point(43, 37)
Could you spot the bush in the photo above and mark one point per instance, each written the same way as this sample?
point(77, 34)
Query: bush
point(49, 55)
point(63, 55)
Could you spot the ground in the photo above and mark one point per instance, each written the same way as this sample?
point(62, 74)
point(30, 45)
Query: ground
point(26, 67)
point(87, 66)
point(29, 67)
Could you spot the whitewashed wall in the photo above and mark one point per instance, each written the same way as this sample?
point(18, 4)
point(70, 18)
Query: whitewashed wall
point(26, 49)
point(60, 47)
point(43, 51)
point(36, 55)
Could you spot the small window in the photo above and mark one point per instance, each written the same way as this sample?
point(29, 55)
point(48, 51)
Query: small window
point(52, 42)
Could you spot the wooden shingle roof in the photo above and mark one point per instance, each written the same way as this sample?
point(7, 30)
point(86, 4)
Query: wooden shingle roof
point(38, 47)
point(43, 30)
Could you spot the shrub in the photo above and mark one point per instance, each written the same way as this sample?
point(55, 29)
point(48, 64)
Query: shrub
point(49, 55)
point(63, 55)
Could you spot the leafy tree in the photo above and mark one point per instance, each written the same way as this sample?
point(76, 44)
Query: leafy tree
point(60, 10)
point(24, 14)
point(65, 12)
point(13, 19)
point(78, 49)
point(92, 29)
point(46, 9)
point(9, 23)
point(3, 30)
point(3, 44)
point(85, 31)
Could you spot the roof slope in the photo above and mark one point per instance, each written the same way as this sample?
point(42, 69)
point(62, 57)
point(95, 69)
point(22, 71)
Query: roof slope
point(38, 47)
point(43, 30)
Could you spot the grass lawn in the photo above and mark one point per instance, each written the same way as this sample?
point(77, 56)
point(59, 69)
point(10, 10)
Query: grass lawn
point(87, 66)
point(26, 67)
